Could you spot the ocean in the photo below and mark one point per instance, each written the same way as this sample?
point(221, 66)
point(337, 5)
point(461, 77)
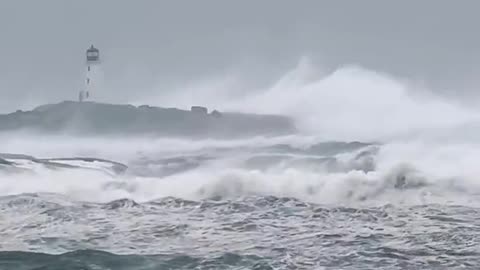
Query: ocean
point(264, 203)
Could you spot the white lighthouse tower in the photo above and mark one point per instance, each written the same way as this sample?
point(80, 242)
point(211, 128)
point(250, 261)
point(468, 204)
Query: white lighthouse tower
point(92, 62)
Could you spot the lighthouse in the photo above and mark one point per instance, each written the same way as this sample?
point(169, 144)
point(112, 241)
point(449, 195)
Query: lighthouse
point(92, 63)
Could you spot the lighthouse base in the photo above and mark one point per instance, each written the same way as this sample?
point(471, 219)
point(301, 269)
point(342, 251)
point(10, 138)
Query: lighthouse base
point(83, 95)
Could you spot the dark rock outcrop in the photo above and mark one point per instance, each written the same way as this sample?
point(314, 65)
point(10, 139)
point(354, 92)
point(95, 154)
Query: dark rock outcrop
point(5, 162)
point(90, 118)
point(11, 161)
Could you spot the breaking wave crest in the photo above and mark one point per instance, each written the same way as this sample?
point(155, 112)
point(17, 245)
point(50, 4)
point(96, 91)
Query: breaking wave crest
point(326, 173)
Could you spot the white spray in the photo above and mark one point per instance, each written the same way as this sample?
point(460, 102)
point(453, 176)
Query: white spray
point(350, 103)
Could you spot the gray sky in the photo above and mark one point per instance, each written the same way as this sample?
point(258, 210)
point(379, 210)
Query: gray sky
point(148, 45)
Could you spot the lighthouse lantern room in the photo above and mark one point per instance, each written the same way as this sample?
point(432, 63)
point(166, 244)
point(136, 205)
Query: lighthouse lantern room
point(93, 55)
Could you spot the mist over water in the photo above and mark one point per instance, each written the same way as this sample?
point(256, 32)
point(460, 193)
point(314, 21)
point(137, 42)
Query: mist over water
point(410, 125)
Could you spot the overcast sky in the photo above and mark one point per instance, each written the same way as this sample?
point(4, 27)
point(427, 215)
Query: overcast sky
point(148, 45)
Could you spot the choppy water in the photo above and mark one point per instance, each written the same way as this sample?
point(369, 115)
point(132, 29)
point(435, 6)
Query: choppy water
point(275, 206)
point(248, 233)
